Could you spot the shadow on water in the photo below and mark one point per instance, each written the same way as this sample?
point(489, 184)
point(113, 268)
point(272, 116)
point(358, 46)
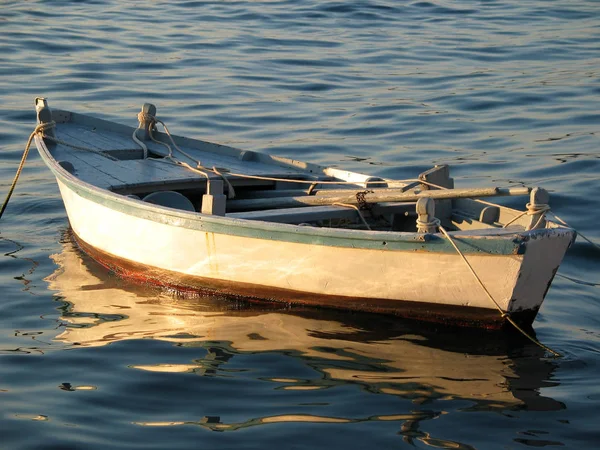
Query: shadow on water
point(421, 364)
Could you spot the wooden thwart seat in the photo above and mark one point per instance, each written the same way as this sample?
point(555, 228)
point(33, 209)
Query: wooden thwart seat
point(316, 213)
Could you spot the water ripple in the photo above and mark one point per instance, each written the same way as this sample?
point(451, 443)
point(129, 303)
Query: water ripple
point(505, 92)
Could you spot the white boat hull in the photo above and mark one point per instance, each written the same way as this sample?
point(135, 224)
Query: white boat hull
point(422, 284)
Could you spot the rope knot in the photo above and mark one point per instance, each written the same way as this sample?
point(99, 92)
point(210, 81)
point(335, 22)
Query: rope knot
point(361, 200)
point(532, 210)
point(434, 222)
point(537, 208)
point(41, 127)
point(145, 117)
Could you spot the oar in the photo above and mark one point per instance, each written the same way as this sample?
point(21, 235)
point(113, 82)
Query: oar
point(388, 195)
point(320, 192)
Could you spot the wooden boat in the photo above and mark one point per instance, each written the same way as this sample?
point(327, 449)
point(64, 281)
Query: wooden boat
point(161, 209)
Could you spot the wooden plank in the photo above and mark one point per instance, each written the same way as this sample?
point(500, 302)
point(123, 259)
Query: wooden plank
point(385, 208)
point(152, 173)
point(324, 191)
point(466, 223)
point(100, 171)
point(298, 215)
point(114, 144)
point(126, 154)
point(234, 159)
point(137, 175)
point(87, 137)
point(63, 134)
point(440, 176)
point(116, 139)
point(227, 162)
point(473, 208)
point(148, 175)
point(87, 166)
point(314, 213)
point(248, 162)
point(368, 197)
point(272, 193)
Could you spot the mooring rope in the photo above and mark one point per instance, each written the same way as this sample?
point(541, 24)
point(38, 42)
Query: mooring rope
point(532, 210)
point(200, 168)
point(503, 314)
point(39, 129)
point(140, 143)
point(578, 232)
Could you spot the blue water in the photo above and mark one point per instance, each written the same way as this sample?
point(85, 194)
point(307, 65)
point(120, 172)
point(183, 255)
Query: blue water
point(506, 92)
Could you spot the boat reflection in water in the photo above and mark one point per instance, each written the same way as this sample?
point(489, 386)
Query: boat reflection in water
point(382, 354)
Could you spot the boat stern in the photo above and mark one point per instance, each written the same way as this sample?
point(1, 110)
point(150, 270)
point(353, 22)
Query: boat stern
point(543, 251)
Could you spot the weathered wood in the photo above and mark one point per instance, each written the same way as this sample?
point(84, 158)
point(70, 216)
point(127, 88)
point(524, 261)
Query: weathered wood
point(211, 154)
point(366, 181)
point(146, 124)
point(391, 208)
point(314, 213)
point(298, 215)
point(426, 215)
point(213, 202)
point(391, 195)
point(208, 153)
point(466, 222)
point(89, 137)
point(126, 155)
point(86, 166)
point(440, 176)
point(44, 115)
point(319, 192)
point(465, 209)
point(538, 201)
point(489, 214)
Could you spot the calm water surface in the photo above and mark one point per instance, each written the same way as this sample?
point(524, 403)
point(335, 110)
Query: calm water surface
point(506, 92)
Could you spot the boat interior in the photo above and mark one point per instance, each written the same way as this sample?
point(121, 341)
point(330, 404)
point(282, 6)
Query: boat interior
point(198, 176)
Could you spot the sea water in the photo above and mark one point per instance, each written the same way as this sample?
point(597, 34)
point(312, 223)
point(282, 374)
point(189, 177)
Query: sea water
point(504, 91)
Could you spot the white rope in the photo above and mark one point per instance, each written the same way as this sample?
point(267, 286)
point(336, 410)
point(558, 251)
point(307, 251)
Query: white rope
point(231, 191)
point(504, 314)
point(145, 117)
point(422, 225)
point(140, 143)
point(532, 210)
point(435, 222)
point(578, 232)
